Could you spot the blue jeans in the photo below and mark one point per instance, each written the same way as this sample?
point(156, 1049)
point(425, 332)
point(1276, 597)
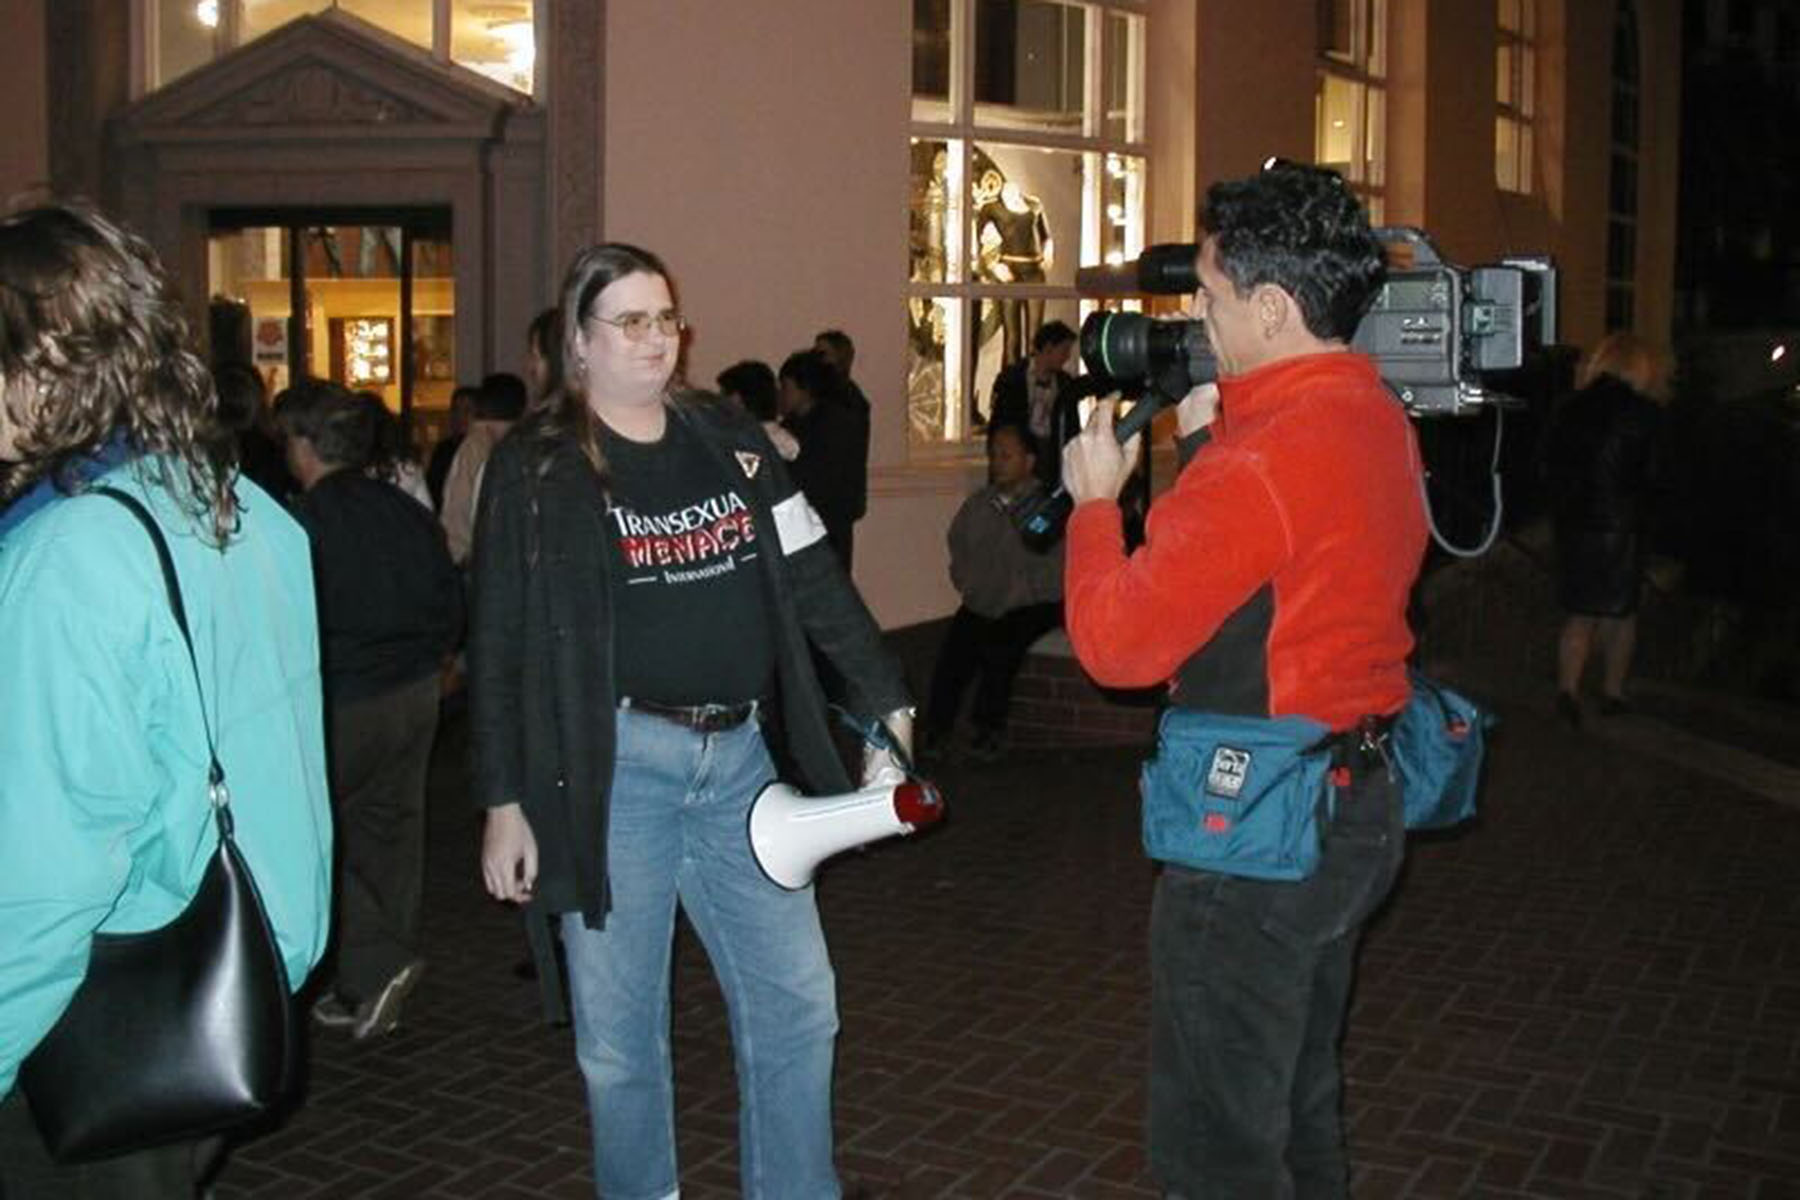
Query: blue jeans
point(678, 830)
point(1249, 984)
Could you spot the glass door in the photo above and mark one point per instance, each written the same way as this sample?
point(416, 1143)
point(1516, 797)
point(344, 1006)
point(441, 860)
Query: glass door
point(365, 299)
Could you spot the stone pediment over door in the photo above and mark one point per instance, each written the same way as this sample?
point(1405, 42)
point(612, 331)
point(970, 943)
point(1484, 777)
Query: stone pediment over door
point(331, 113)
point(319, 76)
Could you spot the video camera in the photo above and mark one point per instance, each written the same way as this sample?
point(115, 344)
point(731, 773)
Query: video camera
point(1439, 334)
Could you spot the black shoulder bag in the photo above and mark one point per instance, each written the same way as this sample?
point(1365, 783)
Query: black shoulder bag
point(176, 1033)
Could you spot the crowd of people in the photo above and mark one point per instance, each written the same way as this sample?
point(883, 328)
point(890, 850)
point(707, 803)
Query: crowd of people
point(645, 591)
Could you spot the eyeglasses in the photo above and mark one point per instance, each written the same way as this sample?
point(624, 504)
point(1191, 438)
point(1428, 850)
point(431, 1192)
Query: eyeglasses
point(636, 326)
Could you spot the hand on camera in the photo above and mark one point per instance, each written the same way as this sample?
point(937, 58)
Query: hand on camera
point(1095, 466)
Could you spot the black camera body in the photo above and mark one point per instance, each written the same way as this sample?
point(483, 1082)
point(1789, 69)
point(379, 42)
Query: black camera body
point(1439, 334)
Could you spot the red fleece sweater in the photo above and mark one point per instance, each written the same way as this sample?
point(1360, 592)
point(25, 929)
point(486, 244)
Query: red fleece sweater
point(1306, 499)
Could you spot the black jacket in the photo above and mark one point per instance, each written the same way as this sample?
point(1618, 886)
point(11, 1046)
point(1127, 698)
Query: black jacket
point(1011, 405)
point(390, 600)
point(833, 465)
point(1604, 456)
point(541, 639)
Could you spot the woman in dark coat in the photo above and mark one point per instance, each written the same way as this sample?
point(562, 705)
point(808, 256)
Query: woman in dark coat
point(647, 579)
point(1603, 471)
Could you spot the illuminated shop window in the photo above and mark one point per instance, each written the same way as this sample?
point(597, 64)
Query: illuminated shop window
point(495, 37)
point(1350, 109)
point(1515, 85)
point(1028, 160)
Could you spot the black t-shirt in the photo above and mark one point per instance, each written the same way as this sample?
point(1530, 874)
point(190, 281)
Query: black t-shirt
point(692, 617)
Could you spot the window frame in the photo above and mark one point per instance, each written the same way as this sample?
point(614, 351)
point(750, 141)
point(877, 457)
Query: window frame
point(1364, 70)
point(1624, 154)
point(1516, 114)
point(963, 131)
point(146, 40)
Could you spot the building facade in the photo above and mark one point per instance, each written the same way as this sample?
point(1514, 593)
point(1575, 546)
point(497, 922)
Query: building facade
point(387, 190)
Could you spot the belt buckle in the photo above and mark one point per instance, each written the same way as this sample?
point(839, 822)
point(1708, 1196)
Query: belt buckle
point(717, 718)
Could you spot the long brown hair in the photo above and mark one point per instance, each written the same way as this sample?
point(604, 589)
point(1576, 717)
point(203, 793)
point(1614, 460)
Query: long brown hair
point(566, 410)
point(93, 346)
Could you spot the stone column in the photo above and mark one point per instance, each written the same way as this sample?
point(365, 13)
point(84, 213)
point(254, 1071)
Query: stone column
point(575, 44)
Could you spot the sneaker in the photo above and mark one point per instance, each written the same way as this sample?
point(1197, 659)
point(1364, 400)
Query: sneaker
point(380, 1016)
point(332, 1011)
point(1614, 706)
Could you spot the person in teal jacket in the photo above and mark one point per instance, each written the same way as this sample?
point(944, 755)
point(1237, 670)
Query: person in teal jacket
point(104, 821)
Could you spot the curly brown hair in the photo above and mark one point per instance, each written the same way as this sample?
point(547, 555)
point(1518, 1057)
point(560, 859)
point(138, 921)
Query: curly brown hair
point(93, 348)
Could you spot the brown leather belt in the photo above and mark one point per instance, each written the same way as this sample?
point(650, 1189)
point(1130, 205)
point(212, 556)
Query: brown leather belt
point(701, 718)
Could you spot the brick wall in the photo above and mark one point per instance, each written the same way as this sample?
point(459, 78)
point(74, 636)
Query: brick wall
point(1056, 705)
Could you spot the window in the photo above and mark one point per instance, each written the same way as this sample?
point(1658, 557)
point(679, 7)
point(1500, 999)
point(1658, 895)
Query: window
point(1028, 161)
point(1515, 85)
point(1622, 192)
point(495, 37)
point(1350, 110)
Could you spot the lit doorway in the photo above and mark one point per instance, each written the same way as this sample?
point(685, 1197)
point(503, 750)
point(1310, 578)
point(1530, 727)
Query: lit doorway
point(364, 297)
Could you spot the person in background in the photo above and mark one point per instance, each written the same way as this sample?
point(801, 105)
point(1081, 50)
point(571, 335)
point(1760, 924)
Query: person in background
point(390, 611)
point(829, 467)
point(646, 579)
point(1038, 395)
point(437, 467)
point(752, 384)
point(1011, 596)
point(1604, 460)
point(244, 410)
point(105, 821)
point(500, 402)
point(1273, 581)
point(543, 355)
point(840, 352)
point(392, 458)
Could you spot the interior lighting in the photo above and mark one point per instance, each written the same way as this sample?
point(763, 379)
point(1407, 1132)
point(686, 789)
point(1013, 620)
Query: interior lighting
point(207, 13)
point(1779, 353)
point(520, 43)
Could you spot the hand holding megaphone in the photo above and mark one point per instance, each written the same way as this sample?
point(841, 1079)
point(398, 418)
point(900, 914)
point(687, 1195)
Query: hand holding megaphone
point(791, 834)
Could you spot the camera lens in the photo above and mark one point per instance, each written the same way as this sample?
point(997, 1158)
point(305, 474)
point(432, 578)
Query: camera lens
point(1129, 346)
point(1117, 344)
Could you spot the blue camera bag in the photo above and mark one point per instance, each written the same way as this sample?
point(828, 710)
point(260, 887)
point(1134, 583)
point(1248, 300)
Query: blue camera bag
point(1238, 795)
point(1438, 743)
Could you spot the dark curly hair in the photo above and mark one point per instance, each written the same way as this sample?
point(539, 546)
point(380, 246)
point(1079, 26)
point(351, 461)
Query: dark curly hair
point(93, 347)
point(1302, 229)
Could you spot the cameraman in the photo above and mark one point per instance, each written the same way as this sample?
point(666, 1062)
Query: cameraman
point(1273, 582)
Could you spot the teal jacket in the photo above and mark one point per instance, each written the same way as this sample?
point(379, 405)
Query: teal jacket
point(104, 821)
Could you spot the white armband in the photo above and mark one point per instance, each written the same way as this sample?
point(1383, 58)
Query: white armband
point(797, 524)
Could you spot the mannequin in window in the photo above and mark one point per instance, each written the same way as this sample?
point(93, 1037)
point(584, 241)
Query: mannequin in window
point(930, 203)
point(1015, 247)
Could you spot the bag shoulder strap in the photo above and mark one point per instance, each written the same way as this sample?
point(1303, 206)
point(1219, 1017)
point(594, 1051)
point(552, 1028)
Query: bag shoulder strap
point(215, 773)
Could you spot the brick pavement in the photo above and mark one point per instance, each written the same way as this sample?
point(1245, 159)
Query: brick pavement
point(1593, 992)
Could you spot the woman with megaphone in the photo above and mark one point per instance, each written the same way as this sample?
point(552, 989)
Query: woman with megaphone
point(646, 577)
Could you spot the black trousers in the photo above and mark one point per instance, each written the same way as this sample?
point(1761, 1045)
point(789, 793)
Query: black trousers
point(27, 1172)
point(1250, 981)
point(380, 754)
point(993, 648)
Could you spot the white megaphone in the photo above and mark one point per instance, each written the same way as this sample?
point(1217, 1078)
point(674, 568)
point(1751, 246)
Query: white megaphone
point(791, 834)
